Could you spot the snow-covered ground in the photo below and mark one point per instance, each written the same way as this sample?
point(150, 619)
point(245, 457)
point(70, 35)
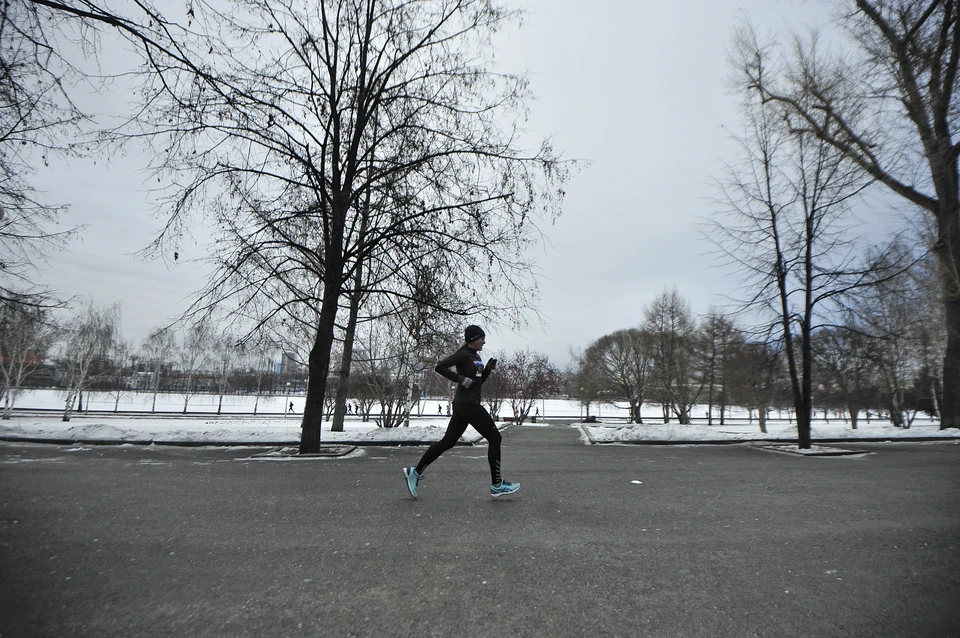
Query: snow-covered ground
point(271, 426)
point(740, 431)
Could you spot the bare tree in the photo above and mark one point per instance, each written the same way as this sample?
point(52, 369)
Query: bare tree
point(255, 357)
point(889, 105)
point(931, 332)
point(755, 376)
point(494, 394)
point(44, 45)
point(421, 317)
point(157, 353)
point(224, 354)
point(676, 354)
point(191, 358)
point(528, 377)
point(842, 354)
point(38, 121)
point(583, 379)
point(26, 336)
point(387, 365)
point(623, 364)
point(90, 337)
point(387, 98)
point(784, 222)
point(118, 358)
point(720, 341)
point(887, 312)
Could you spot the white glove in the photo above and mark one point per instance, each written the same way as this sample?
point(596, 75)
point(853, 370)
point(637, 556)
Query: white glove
point(466, 382)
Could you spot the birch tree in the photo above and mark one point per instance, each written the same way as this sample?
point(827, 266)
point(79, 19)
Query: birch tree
point(26, 336)
point(192, 357)
point(157, 352)
point(90, 336)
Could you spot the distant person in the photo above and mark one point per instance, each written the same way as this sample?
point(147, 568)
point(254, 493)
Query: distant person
point(467, 410)
point(290, 409)
point(439, 410)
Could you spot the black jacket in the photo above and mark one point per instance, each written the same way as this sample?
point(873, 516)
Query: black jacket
point(468, 364)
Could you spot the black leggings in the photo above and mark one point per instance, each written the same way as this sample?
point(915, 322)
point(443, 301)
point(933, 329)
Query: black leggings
point(465, 414)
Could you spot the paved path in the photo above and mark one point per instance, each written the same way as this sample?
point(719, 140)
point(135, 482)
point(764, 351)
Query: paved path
point(600, 541)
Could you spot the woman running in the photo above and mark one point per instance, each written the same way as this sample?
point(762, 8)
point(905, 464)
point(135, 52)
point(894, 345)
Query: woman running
point(467, 410)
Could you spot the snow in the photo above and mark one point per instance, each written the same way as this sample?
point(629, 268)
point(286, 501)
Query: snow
point(739, 430)
point(136, 424)
point(205, 430)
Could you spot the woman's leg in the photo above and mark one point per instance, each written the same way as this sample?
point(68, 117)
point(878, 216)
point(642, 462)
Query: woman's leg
point(455, 429)
point(483, 423)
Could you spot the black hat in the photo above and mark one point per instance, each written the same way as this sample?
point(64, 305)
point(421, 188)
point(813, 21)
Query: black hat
point(472, 333)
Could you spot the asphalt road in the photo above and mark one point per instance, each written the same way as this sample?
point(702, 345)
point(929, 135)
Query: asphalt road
point(600, 541)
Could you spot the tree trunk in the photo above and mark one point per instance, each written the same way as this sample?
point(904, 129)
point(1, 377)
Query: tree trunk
point(950, 409)
point(319, 369)
point(805, 412)
point(68, 406)
point(156, 388)
point(319, 361)
point(713, 367)
point(346, 360)
point(803, 428)
point(762, 418)
point(854, 416)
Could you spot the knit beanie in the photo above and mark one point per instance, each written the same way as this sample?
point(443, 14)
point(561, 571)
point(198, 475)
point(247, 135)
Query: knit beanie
point(472, 333)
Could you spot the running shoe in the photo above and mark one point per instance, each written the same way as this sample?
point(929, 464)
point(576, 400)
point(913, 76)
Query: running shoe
point(503, 489)
point(410, 473)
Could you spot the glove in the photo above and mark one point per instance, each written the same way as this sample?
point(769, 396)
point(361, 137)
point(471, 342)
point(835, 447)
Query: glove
point(466, 382)
point(491, 364)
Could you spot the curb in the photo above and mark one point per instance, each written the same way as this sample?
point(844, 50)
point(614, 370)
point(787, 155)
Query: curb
point(917, 439)
point(815, 450)
point(290, 452)
point(271, 444)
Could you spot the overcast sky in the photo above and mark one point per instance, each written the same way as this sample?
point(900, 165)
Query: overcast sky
point(636, 88)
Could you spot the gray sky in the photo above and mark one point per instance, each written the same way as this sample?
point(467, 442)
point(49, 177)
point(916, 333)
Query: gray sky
point(635, 88)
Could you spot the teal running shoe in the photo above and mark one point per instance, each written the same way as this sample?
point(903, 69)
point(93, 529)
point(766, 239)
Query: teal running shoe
point(503, 489)
point(412, 479)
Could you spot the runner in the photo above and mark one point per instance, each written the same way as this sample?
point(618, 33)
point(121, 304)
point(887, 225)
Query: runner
point(467, 410)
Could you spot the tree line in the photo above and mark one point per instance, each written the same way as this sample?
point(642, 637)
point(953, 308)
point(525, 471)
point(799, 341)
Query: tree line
point(884, 365)
point(87, 353)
